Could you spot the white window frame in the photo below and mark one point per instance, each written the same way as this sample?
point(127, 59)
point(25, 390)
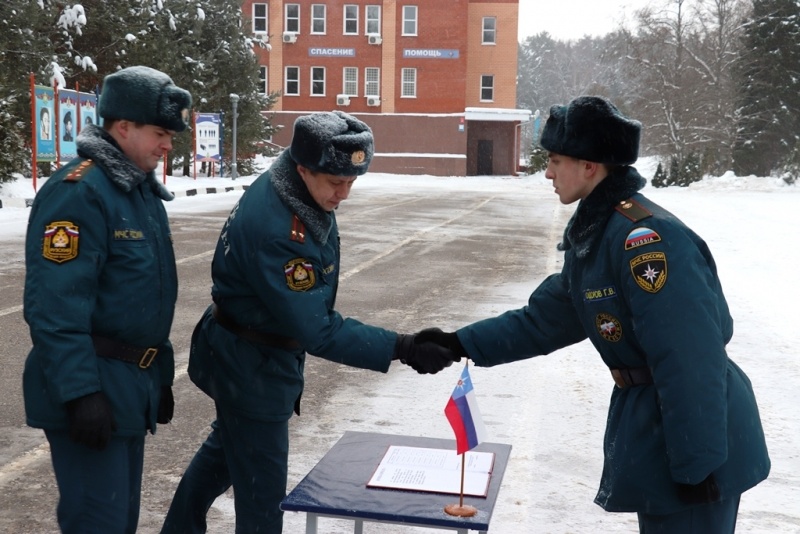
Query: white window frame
point(350, 81)
point(410, 17)
point(291, 23)
point(372, 81)
point(263, 77)
point(316, 17)
point(489, 34)
point(487, 87)
point(372, 14)
point(258, 18)
point(348, 18)
point(287, 80)
point(314, 80)
point(408, 83)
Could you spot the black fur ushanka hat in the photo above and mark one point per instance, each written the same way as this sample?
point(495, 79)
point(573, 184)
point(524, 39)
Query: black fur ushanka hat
point(146, 96)
point(332, 142)
point(591, 128)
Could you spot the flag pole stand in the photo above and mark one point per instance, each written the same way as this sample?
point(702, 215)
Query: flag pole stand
point(460, 509)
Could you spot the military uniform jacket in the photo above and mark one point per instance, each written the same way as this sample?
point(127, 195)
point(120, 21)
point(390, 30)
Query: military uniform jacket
point(276, 271)
point(644, 288)
point(99, 261)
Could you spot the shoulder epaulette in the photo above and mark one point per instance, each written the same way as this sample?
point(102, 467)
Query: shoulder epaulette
point(77, 174)
point(633, 210)
point(298, 230)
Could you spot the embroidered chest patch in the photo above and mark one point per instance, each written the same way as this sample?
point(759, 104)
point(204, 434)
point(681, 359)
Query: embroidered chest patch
point(609, 327)
point(60, 242)
point(641, 236)
point(299, 274)
point(650, 271)
point(602, 293)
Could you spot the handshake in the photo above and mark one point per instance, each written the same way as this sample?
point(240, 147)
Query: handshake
point(428, 351)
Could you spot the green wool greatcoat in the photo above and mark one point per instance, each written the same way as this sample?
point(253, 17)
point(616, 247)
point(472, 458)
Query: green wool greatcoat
point(115, 279)
point(644, 289)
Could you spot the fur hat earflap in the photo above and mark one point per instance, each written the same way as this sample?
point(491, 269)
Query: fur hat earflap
point(146, 96)
point(333, 143)
point(591, 128)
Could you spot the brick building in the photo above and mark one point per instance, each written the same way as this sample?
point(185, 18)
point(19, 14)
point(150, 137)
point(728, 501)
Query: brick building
point(434, 79)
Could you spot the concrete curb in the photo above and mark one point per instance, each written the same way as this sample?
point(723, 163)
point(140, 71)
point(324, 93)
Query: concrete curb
point(27, 202)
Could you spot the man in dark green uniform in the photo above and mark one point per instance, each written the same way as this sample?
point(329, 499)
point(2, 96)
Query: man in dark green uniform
point(275, 274)
point(684, 437)
point(100, 294)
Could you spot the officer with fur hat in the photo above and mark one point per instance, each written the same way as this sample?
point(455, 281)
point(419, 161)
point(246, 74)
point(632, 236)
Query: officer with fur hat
point(275, 275)
point(684, 439)
point(100, 293)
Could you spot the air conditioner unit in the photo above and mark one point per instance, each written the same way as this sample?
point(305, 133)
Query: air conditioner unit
point(374, 39)
point(373, 101)
point(289, 37)
point(342, 100)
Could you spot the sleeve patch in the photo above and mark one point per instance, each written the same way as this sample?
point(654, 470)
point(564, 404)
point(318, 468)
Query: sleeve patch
point(641, 236)
point(650, 271)
point(299, 274)
point(60, 242)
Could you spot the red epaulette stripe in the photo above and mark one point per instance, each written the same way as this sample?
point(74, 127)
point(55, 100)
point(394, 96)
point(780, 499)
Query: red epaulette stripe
point(298, 230)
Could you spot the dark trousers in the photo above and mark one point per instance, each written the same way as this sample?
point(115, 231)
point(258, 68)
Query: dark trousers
point(713, 518)
point(99, 491)
point(250, 455)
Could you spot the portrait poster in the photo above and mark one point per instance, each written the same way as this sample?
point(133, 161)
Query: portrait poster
point(45, 123)
point(207, 143)
point(88, 104)
point(67, 123)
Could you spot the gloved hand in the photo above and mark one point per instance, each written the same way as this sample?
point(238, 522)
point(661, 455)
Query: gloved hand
point(448, 340)
point(166, 406)
point(424, 358)
point(91, 420)
point(703, 493)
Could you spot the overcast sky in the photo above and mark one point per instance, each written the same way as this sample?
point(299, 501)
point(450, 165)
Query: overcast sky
point(572, 19)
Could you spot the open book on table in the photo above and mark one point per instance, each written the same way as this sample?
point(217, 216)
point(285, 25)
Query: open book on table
point(433, 470)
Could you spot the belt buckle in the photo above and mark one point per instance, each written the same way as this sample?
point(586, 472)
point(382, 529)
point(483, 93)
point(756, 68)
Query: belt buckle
point(618, 380)
point(147, 358)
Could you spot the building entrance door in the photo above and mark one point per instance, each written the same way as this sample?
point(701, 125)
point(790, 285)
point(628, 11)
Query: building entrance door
point(485, 150)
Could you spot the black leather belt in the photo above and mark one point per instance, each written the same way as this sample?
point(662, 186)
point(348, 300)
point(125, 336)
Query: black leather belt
point(256, 336)
point(110, 348)
point(632, 376)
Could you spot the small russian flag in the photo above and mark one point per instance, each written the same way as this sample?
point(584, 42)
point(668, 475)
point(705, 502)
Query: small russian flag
point(464, 416)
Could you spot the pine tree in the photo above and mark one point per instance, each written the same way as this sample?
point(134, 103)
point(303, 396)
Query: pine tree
point(660, 177)
point(769, 77)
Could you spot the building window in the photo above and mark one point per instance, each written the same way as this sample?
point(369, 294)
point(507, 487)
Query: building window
point(374, 20)
point(292, 81)
point(317, 81)
point(262, 79)
point(372, 81)
point(487, 88)
point(350, 81)
point(260, 18)
point(292, 22)
point(350, 20)
point(409, 83)
point(409, 20)
point(317, 18)
point(489, 30)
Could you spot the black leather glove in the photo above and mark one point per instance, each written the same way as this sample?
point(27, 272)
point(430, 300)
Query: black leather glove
point(703, 493)
point(424, 358)
point(448, 340)
point(91, 420)
point(166, 406)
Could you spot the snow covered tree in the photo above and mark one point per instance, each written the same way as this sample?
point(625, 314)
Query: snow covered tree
point(769, 78)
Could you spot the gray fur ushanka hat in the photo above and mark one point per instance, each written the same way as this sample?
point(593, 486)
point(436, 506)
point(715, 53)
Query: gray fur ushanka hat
point(591, 128)
point(332, 142)
point(146, 96)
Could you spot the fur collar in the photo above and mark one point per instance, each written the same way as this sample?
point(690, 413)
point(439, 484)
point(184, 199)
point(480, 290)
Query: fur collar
point(96, 144)
point(590, 218)
point(293, 192)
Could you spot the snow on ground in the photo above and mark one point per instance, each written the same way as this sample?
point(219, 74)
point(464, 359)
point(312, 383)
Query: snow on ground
point(750, 223)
